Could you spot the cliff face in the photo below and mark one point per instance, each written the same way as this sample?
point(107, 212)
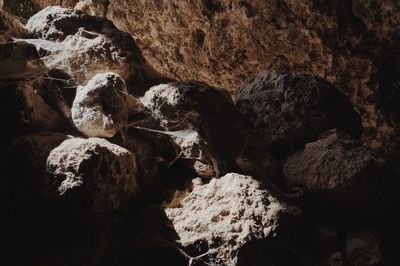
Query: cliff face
point(353, 44)
point(205, 132)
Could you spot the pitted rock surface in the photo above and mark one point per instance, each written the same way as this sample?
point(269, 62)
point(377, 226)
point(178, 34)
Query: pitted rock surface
point(92, 172)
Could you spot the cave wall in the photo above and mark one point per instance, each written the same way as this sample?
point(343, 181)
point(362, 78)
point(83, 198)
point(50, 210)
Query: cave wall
point(353, 44)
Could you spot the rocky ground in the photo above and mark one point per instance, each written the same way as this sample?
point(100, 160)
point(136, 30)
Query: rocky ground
point(200, 133)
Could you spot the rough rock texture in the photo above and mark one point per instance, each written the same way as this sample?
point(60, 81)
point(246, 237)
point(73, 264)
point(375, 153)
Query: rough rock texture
point(188, 107)
point(99, 108)
point(288, 110)
point(363, 248)
point(83, 45)
point(58, 91)
point(96, 206)
point(337, 171)
point(226, 214)
point(20, 61)
point(93, 7)
point(10, 27)
point(101, 174)
point(65, 3)
point(353, 44)
point(26, 111)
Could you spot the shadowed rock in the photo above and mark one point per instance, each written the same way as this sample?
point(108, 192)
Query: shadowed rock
point(340, 178)
point(287, 110)
point(195, 107)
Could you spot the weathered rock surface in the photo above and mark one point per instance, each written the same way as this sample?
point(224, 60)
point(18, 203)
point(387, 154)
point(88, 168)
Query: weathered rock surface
point(93, 7)
point(25, 111)
point(204, 118)
point(225, 214)
point(363, 248)
point(288, 110)
point(20, 61)
point(353, 44)
point(100, 108)
point(84, 45)
point(10, 27)
point(97, 212)
point(58, 91)
point(338, 172)
point(92, 172)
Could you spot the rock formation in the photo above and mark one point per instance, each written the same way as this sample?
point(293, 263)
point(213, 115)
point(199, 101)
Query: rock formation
point(237, 210)
point(267, 132)
point(103, 172)
point(337, 171)
point(100, 108)
point(353, 44)
point(83, 46)
point(10, 27)
point(288, 110)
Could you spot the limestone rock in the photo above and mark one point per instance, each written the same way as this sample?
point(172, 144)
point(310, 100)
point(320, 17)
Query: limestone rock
point(338, 172)
point(64, 3)
point(93, 7)
point(99, 108)
point(10, 27)
point(363, 248)
point(93, 173)
point(353, 44)
point(206, 115)
point(288, 110)
point(58, 91)
point(225, 214)
point(20, 61)
point(84, 45)
point(192, 150)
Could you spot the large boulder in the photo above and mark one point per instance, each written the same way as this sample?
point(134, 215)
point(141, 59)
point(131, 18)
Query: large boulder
point(25, 112)
point(338, 172)
point(84, 45)
point(100, 108)
point(92, 173)
point(219, 218)
point(201, 119)
point(287, 110)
